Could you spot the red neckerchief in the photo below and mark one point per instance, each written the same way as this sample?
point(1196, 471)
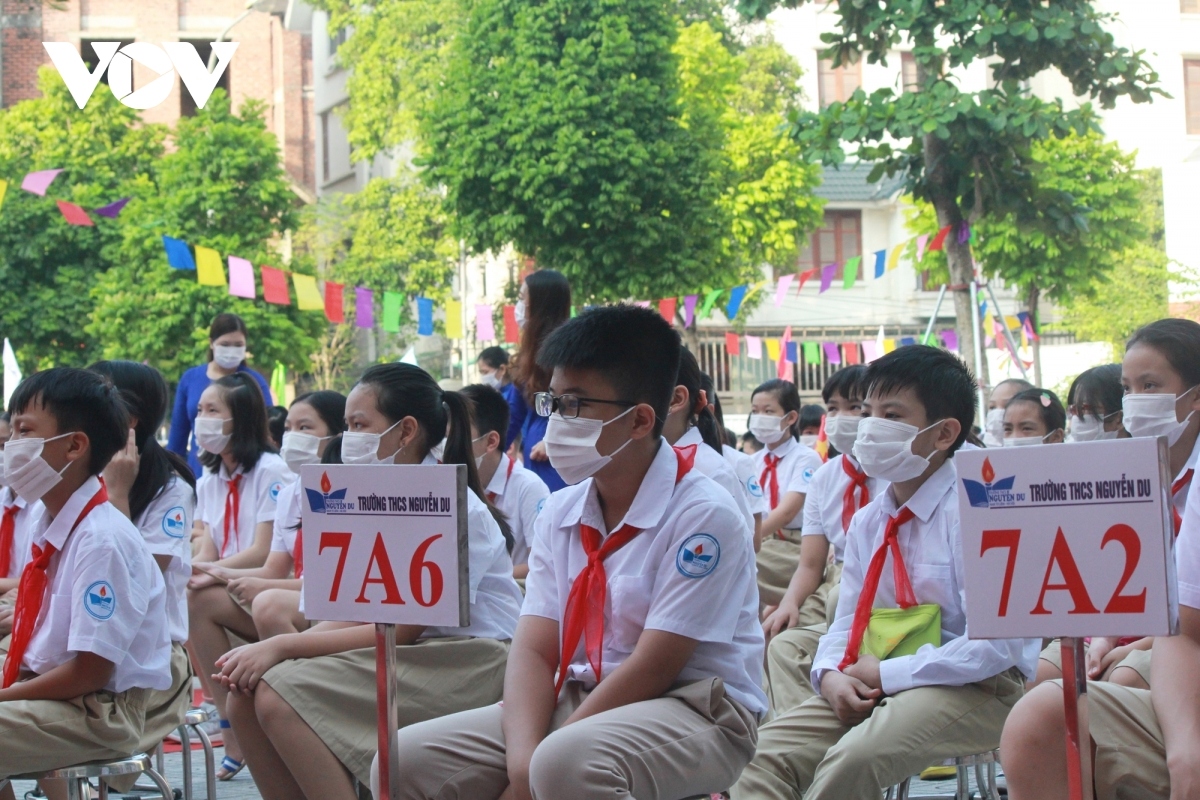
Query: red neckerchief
point(1184, 481)
point(491, 496)
point(584, 614)
point(8, 527)
point(31, 593)
point(858, 480)
point(771, 471)
point(866, 600)
point(233, 499)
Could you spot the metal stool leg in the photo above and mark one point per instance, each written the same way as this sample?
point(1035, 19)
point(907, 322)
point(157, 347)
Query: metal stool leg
point(75, 789)
point(161, 783)
point(159, 759)
point(210, 764)
point(185, 741)
point(902, 789)
point(963, 792)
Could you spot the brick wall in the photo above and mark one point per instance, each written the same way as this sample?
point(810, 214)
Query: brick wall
point(22, 52)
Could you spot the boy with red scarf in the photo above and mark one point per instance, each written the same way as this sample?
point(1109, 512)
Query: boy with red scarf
point(636, 664)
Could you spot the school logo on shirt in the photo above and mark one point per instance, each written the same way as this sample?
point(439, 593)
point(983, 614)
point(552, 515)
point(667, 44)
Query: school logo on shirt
point(698, 555)
point(100, 601)
point(275, 487)
point(992, 493)
point(173, 523)
point(755, 489)
point(540, 506)
point(808, 473)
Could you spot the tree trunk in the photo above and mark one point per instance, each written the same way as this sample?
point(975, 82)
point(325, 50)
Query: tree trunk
point(1032, 304)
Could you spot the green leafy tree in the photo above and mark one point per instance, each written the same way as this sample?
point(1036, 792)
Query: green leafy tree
point(969, 153)
point(221, 187)
point(48, 268)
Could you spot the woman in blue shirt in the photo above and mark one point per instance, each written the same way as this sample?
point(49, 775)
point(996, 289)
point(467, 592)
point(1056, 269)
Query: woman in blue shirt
point(226, 355)
point(544, 304)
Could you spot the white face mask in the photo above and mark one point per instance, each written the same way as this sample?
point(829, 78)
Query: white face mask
point(438, 451)
point(363, 448)
point(210, 434)
point(519, 313)
point(884, 449)
point(1026, 441)
point(228, 356)
point(1091, 429)
point(1154, 415)
point(767, 429)
point(27, 472)
point(842, 431)
point(571, 446)
point(491, 380)
point(478, 459)
point(298, 449)
point(809, 439)
point(994, 425)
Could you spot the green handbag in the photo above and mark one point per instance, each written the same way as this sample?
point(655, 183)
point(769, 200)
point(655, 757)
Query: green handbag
point(902, 631)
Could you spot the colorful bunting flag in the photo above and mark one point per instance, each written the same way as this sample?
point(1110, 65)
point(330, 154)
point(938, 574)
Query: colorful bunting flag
point(880, 257)
point(512, 331)
point(424, 316)
point(112, 209)
point(804, 276)
point(888, 345)
point(921, 240)
point(710, 300)
point(275, 287)
point(308, 297)
point(335, 303)
point(894, 258)
point(908, 341)
point(279, 382)
point(485, 328)
point(732, 344)
point(850, 350)
point(393, 308)
point(178, 254)
point(454, 323)
point(783, 370)
point(736, 295)
point(950, 339)
point(74, 215)
point(753, 347)
point(3, 190)
point(666, 307)
point(939, 241)
point(241, 278)
point(812, 353)
point(793, 352)
point(773, 349)
point(39, 182)
point(209, 271)
point(870, 350)
point(364, 307)
point(850, 275)
point(782, 287)
point(827, 273)
point(1027, 324)
point(832, 354)
point(689, 309)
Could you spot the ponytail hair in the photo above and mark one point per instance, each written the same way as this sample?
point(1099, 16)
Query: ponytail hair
point(144, 393)
point(406, 390)
point(698, 415)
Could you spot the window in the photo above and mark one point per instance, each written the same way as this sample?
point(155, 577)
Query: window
point(1191, 92)
point(187, 106)
point(1189, 6)
point(335, 148)
point(336, 40)
point(908, 72)
point(836, 85)
point(839, 238)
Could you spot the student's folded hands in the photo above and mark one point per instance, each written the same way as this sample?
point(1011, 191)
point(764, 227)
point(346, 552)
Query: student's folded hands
point(866, 669)
point(246, 589)
point(240, 669)
point(851, 699)
point(777, 620)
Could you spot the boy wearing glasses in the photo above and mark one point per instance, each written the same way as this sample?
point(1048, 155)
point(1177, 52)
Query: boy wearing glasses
point(636, 665)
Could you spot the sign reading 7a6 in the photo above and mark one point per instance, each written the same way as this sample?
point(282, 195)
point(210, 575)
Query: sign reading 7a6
point(385, 544)
point(1068, 540)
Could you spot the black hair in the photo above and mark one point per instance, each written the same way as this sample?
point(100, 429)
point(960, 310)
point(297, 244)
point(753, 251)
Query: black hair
point(1049, 407)
point(330, 407)
point(787, 395)
point(690, 378)
point(333, 451)
point(706, 383)
point(940, 380)
point(1099, 389)
point(406, 390)
point(144, 393)
point(1024, 385)
point(276, 419)
point(849, 382)
point(549, 307)
point(248, 411)
point(811, 415)
point(223, 324)
point(634, 349)
point(79, 400)
point(1178, 340)
point(730, 437)
point(489, 409)
point(750, 438)
point(494, 356)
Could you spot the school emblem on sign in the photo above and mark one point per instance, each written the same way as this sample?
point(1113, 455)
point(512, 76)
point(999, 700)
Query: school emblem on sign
point(991, 493)
point(173, 523)
point(698, 555)
point(100, 601)
point(327, 500)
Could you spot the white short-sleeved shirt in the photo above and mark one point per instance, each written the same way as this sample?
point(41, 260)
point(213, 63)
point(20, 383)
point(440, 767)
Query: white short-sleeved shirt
point(747, 474)
point(714, 465)
point(287, 519)
point(105, 595)
point(1181, 484)
point(258, 496)
point(519, 494)
point(694, 549)
point(932, 547)
point(19, 555)
point(795, 471)
point(166, 527)
point(1187, 546)
point(823, 503)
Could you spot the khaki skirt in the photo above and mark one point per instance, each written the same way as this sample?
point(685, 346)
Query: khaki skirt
point(335, 695)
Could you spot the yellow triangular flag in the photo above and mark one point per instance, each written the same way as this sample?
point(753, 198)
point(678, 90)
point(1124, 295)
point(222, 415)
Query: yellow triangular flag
point(454, 327)
point(308, 298)
point(889, 345)
point(773, 349)
point(209, 271)
point(3, 189)
point(894, 258)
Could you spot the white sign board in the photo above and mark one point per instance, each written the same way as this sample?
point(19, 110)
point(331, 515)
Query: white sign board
point(1068, 540)
point(385, 544)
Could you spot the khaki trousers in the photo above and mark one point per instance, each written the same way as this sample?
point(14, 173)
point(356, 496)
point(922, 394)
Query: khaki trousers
point(789, 667)
point(691, 741)
point(808, 753)
point(777, 561)
point(1131, 756)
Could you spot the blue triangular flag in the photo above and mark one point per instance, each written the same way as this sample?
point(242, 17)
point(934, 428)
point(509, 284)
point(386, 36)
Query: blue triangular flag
point(908, 341)
point(880, 259)
point(736, 295)
point(424, 316)
point(793, 353)
point(178, 255)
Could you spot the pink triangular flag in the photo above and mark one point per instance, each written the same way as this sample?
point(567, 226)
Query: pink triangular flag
point(782, 287)
point(39, 182)
point(921, 240)
point(241, 277)
point(485, 327)
point(753, 347)
point(74, 214)
point(784, 367)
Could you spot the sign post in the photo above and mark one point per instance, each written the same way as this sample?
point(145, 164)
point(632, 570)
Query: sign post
point(1069, 542)
point(386, 545)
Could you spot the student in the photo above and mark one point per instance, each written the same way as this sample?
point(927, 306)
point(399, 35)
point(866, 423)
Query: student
point(304, 707)
point(493, 364)
point(690, 422)
point(276, 425)
point(785, 469)
point(1034, 416)
point(877, 721)
point(663, 701)
point(14, 535)
point(838, 490)
point(742, 463)
point(1002, 392)
point(90, 654)
point(1094, 401)
point(811, 415)
point(517, 492)
point(750, 445)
